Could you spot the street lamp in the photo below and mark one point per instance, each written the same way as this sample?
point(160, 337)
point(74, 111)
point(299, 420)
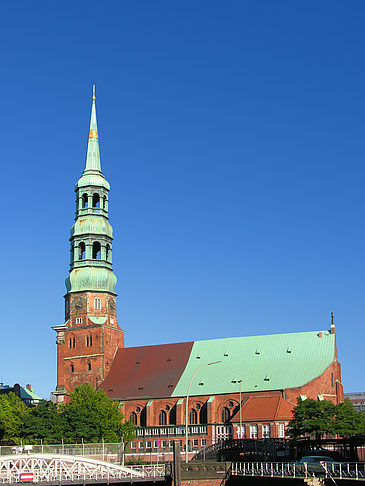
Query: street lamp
point(240, 381)
point(187, 407)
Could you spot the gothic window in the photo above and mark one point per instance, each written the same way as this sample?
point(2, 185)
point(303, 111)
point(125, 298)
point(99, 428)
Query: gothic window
point(133, 418)
point(104, 202)
point(193, 416)
point(82, 251)
point(72, 368)
point(172, 416)
point(96, 250)
point(96, 201)
point(84, 201)
point(89, 367)
point(107, 255)
point(162, 418)
point(97, 303)
point(225, 415)
point(203, 414)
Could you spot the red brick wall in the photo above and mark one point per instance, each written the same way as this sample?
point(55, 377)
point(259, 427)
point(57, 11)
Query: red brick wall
point(106, 338)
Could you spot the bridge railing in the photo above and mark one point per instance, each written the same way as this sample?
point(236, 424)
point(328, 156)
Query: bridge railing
point(353, 470)
point(110, 452)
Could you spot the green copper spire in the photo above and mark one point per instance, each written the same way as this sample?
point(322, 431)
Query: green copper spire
point(91, 235)
point(93, 156)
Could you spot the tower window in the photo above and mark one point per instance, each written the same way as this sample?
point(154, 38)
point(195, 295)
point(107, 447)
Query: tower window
point(72, 342)
point(85, 201)
point(96, 201)
point(89, 340)
point(89, 367)
point(96, 250)
point(97, 303)
point(82, 251)
point(78, 320)
point(104, 202)
point(72, 368)
point(107, 253)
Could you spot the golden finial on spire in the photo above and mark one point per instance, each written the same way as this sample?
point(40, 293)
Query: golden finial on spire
point(93, 91)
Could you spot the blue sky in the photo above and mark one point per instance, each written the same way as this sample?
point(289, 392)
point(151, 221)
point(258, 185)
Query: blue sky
point(232, 134)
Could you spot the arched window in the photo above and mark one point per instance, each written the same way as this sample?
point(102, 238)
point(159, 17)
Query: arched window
point(104, 202)
point(225, 415)
point(133, 418)
point(72, 341)
point(203, 414)
point(96, 200)
point(162, 418)
point(72, 368)
point(143, 417)
point(97, 303)
point(81, 250)
point(96, 250)
point(193, 416)
point(107, 253)
point(172, 416)
point(89, 367)
point(89, 340)
point(85, 201)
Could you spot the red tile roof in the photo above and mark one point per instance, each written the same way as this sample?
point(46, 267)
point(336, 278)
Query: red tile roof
point(146, 371)
point(259, 408)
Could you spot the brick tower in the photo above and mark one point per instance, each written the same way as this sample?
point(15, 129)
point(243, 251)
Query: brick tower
point(90, 336)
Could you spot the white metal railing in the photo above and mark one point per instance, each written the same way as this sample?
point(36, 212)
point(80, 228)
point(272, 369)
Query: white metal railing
point(47, 468)
point(353, 470)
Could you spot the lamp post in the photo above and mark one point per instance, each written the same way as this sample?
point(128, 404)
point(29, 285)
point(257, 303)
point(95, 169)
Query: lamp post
point(240, 381)
point(187, 408)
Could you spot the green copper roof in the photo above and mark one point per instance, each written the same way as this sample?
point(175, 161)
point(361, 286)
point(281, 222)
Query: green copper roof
point(92, 179)
point(273, 362)
point(91, 278)
point(91, 225)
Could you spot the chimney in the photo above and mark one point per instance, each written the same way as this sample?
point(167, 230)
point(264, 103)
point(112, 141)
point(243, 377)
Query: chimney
point(332, 324)
point(28, 387)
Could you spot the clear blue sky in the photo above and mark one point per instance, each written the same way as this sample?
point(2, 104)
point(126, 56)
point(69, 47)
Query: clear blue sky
point(232, 134)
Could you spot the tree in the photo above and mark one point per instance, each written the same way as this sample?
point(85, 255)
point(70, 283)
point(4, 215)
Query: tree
point(348, 422)
point(92, 416)
point(312, 417)
point(44, 422)
point(12, 414)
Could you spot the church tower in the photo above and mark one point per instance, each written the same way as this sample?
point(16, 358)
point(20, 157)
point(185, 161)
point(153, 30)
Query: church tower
point(90, 336)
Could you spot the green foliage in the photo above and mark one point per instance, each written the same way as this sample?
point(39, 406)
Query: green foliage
point(348, 422)
point(12, 414)
point(43, 422)
point(93, 416)
point(320, 418)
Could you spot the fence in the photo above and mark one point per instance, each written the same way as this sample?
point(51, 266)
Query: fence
point(349, 470)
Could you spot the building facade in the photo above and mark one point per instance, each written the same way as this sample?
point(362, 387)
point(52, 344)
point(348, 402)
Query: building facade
point(223, 388)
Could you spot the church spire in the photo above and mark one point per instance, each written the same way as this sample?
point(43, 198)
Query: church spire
point(93, 155)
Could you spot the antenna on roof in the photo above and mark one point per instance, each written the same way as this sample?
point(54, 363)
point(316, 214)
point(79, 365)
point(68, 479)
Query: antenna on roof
point(332, 323)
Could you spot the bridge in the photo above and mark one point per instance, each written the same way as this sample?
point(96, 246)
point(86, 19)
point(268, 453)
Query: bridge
point(52, 469)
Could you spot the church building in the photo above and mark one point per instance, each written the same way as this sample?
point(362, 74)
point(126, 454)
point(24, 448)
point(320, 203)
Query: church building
point(222, 388)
